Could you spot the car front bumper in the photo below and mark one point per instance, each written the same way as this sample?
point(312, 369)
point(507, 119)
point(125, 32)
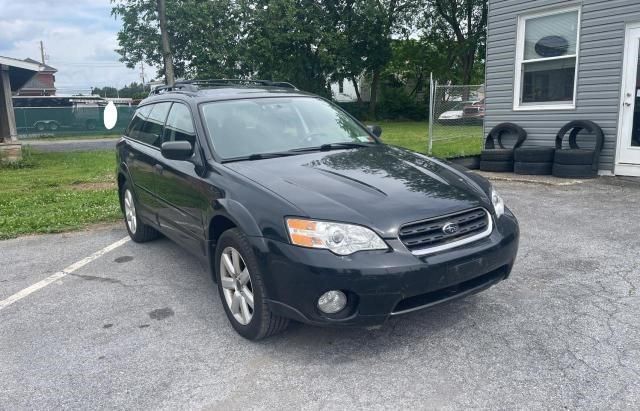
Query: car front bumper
point(380, 284)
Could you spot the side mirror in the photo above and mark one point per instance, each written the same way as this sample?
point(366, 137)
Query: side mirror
point(376, 130)
point(177, 150)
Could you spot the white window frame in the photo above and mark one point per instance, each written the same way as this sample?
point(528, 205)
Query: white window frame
point(517, 86)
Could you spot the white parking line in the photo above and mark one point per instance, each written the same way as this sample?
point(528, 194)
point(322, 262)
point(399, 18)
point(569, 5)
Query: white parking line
point(60, 274)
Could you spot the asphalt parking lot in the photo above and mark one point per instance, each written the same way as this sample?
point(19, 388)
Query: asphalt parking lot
point(141, 327)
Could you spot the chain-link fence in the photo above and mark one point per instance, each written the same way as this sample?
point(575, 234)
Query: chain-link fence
point(456, 120)
point(75, 121)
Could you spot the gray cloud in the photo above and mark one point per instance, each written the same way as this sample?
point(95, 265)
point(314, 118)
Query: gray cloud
point(79, 38)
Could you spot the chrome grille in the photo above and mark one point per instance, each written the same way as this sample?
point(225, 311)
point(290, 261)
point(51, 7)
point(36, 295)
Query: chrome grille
point(428, 236)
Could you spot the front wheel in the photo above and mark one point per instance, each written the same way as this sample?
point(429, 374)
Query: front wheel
point(241, 288)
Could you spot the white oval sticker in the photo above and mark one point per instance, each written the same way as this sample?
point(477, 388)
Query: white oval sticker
point(110, 116)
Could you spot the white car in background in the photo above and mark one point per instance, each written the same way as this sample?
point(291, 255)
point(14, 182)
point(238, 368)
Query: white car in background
point(455, 114)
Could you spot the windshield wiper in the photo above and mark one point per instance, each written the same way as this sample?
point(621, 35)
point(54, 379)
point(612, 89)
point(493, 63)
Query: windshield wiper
point(332, 146)
point(259, 156)
point(295, 151)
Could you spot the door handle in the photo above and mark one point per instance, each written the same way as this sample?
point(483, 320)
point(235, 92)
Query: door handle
point(627, 104)
point(159, 169)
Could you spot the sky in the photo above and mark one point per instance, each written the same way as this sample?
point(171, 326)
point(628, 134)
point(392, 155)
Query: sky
point(79, 37)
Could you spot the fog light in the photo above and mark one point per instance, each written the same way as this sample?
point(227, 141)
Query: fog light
point(332, 301)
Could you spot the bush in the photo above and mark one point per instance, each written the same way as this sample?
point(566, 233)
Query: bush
point(394, 104)
point(358, 110)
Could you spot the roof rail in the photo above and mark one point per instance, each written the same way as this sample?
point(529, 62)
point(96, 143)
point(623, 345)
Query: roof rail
point(195, 85)
point(179, 86)
point(242, 82)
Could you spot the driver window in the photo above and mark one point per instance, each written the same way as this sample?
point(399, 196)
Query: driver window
point(151, 129)
point(179, 126)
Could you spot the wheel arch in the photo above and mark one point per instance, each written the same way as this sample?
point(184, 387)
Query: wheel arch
point(231, 214)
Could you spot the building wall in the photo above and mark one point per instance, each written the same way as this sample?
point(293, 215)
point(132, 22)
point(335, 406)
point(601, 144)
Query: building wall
point(348, 93)
point(42, 84)
point(602, 37)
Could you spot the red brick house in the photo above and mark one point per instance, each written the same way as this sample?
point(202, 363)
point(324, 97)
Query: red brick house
point(42, 84)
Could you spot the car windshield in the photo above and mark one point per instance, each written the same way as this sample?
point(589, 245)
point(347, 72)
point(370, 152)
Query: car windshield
point(461, 105)
point(253, 127)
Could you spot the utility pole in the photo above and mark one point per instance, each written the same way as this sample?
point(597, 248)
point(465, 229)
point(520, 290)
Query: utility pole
point(42, 51)
point(166, 49)
point(142, 74)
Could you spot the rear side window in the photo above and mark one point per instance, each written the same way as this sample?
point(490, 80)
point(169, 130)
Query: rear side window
point(179, 125)
point(138, 119)
point(148, 123)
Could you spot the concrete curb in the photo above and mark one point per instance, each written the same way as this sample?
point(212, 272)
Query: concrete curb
point(543, 180)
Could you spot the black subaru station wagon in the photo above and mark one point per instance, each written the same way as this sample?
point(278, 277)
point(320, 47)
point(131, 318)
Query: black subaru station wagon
point(303, 213)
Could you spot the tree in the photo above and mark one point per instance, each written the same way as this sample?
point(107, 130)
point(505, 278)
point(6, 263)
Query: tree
point(308, 42)
point(167, 56)
point(464, 22)
point(133, 90)
point(388, 18)
point(205, 36)
point(291, 40)
point(105, 91)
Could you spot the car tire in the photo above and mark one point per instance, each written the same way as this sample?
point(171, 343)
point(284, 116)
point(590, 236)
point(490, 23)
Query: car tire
point(494, 138)
point(497, 166)
point(236, 290)
point(534, 154)
point(138, 231)
point(40, 126)
point(574, 157)
point(539, 169)
point(574, 171)
point(497, 155)
point(53, 126)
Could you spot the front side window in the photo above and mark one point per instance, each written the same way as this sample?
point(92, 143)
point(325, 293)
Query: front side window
point(151, 130)
point(546, 61)
point(179, 126)
point(247, 127)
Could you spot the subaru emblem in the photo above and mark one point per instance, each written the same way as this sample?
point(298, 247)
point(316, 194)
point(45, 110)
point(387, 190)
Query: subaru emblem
point(450, 228)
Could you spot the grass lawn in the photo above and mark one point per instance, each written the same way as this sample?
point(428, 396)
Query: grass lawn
point(53, 192)
point(449, 141)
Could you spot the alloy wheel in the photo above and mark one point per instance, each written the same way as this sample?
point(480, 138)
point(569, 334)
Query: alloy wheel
point(236, 285)
point(130, 211)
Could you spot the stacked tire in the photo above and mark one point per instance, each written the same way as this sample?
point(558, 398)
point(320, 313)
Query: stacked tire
point(501, 159)
point(533, 160)
point(576, 162)
point(498, 160)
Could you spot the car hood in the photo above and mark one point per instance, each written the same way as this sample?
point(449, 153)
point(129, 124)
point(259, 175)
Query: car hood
point(381, 186)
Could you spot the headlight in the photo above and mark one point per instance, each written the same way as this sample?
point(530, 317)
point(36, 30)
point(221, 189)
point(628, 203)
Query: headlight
point(341, 239)
point(498, 203)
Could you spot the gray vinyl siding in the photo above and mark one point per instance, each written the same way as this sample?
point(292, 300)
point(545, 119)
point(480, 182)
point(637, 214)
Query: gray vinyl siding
point(602, 37)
